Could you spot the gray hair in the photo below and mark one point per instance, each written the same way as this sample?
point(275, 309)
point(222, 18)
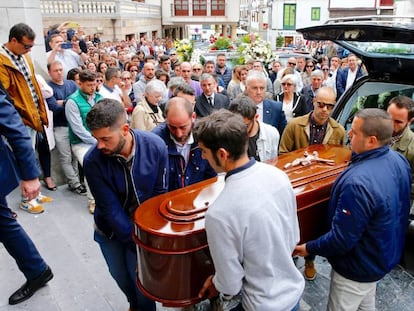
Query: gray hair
point(317, 73)
point(206, 76)
point(175, 81)
point(155, 86)
point(255, 75)
point(290, 77)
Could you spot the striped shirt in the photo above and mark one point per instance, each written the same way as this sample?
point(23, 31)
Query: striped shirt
point(23, 67)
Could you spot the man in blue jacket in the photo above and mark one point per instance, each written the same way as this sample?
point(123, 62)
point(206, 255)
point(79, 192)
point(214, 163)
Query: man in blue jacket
point(125, 168)
point(16, 241)
point(368, 212)
point(186, 166)
point(269, 111)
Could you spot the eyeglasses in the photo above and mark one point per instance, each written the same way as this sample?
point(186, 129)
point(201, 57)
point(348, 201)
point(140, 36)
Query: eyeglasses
point(26, 46)
point(325, 69)
point(292, 64)
point(328, 106)
point(126, 78)
point(286, 84)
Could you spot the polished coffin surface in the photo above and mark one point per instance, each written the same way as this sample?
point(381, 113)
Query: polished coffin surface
point(173, 255)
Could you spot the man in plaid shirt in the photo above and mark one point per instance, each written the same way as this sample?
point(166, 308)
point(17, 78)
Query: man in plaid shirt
point(18, 77)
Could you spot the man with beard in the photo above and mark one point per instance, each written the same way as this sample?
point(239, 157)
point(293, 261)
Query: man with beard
point(125, 168)
point(401, 110)
point(316, 127)
point(77, 107)
point(186, 164)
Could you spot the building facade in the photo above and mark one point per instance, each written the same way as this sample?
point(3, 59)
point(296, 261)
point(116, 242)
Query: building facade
point(112, 19)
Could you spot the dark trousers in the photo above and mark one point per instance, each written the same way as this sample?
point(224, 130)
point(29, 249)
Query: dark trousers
point(19, 245)
point(122, 262)
point(42, 146)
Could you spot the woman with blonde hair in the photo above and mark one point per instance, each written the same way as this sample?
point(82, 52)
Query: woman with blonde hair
point(233, 92)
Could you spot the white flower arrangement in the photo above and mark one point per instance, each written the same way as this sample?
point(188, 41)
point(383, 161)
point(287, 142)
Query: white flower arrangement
point(184, 49)
point(253, 47)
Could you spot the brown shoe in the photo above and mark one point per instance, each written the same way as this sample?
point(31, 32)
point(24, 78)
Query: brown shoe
point(91, 206)
point(310, 271)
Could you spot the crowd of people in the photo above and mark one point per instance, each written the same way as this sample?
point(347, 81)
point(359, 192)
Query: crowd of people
point(137, 122)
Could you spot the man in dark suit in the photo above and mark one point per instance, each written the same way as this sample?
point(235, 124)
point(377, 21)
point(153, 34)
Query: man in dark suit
point(269, 111)
point(15, 240)
point(346, 77)
point(309, 91)
point(209, 100)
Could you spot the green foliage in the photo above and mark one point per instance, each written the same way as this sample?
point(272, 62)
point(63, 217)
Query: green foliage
point(280, 40)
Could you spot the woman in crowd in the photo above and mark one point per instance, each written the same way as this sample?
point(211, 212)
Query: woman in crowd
point(306, 75)
point(238, 89)
point(147, 114)
point(293, 103)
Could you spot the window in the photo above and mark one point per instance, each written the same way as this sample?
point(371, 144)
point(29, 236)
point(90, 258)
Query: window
point(289, 16)
point(316, 14)
point(217, 7)
point(199, 8)
point(181, 7)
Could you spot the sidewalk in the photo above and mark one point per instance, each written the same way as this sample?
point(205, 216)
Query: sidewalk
point(64, 237)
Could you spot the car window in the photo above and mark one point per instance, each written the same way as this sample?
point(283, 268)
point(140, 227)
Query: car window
point(370, 95)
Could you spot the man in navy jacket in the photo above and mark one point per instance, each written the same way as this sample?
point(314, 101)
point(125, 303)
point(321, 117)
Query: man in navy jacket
point(124, 169)
point(270, 112)
point(346, 77)
point(368, 212)
point(186, 166)
point(21, 164)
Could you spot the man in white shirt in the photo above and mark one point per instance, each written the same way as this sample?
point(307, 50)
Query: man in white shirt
point(263, 138)
point(111, 87)
point(70, 58)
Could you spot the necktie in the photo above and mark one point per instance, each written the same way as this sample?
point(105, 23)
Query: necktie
point(210, 101)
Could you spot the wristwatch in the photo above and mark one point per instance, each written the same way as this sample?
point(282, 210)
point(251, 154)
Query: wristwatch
point(80, 53)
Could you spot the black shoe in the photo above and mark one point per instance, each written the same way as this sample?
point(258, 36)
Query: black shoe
point(81, 190)
point(30, 287)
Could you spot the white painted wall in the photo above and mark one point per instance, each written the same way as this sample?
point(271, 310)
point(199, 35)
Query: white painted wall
point(349, 4)
point(404, 8)
point(28, 12)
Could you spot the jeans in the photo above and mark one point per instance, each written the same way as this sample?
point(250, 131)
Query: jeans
point(67, 158)
point(122, 263)
point(19, 245)
point(80, 150)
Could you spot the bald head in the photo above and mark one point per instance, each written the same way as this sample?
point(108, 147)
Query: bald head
point(178, 105)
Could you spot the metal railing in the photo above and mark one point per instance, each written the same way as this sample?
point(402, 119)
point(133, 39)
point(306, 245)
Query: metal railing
point(99, 7)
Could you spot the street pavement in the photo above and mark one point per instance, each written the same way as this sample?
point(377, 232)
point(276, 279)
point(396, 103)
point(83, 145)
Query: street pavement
point(64, 236)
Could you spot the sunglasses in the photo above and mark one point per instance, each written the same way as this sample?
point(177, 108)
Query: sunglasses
point(173, 54)
point(328, 106)
point(99, 80)
point(197, 69)
point(134, 70)
point(311, 66)
point(26, 46)
point(126, 78)
point(325, 69)
point(292, 64)
point(286, 84)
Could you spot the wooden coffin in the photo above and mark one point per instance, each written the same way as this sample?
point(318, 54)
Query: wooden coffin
point(173, 255)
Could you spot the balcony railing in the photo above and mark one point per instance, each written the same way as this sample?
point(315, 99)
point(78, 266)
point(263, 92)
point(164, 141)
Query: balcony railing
point(99, 7)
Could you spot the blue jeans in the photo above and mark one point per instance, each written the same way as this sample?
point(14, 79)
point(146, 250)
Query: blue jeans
point(19, 245)
point(122, 263)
